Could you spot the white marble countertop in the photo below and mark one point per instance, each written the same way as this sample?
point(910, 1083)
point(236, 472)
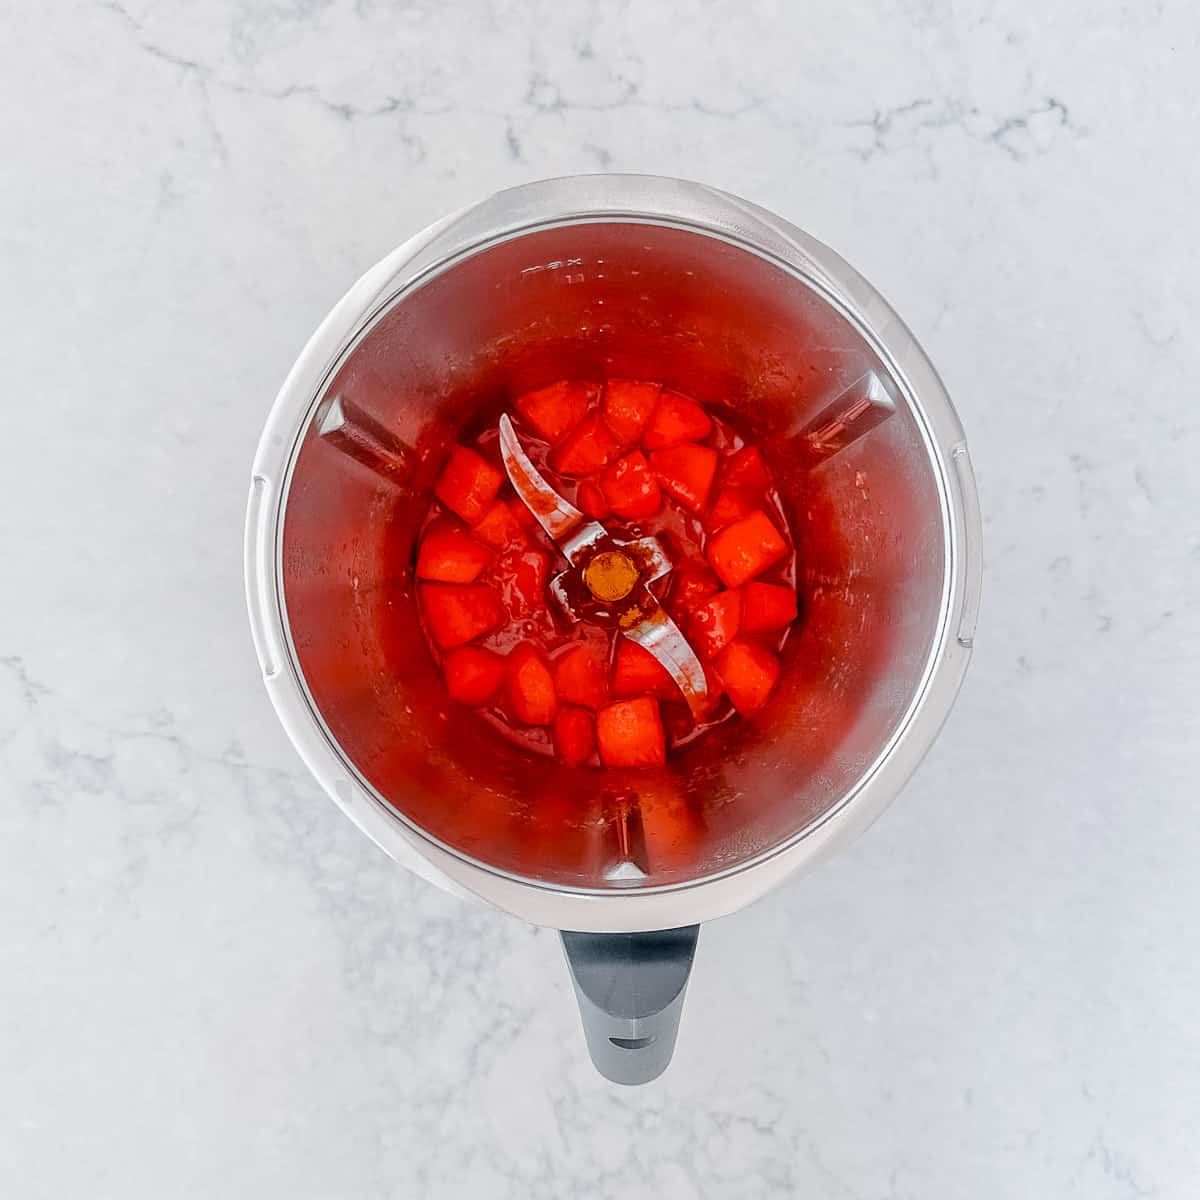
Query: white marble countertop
point(212, 986)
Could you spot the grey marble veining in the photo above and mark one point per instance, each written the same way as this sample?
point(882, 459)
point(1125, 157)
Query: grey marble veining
point(211, 985)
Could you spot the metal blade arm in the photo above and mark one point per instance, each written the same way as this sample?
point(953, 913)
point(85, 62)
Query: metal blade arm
point(664, 639)
point(554, 514)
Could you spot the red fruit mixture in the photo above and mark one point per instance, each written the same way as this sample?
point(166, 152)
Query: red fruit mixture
point(645, 460)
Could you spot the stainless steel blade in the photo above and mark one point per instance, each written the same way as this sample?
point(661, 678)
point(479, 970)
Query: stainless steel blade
point(562, 521)
point(664, 639)
point(573, 533)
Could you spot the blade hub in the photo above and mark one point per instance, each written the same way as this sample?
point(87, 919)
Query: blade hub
point(610, 576)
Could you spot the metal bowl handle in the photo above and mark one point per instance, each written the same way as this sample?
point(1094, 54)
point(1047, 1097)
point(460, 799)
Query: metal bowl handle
point(630, 988)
